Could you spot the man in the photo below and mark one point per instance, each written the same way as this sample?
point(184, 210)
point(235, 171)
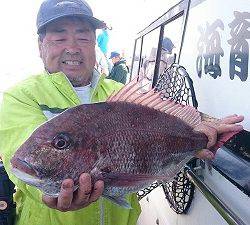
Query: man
point(103, 39)
point(102, 64)
point(66, 31)
point(167, 56)
point(120, 70)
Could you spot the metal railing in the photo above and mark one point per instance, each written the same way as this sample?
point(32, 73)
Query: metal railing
point(230, 217)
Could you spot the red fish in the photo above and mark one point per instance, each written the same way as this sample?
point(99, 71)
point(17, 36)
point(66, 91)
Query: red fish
point(128, 142)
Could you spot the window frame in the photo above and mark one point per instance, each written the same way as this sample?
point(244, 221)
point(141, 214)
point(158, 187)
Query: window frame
point(175, 12)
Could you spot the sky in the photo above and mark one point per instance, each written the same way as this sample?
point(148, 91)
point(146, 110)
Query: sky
point(18, 39)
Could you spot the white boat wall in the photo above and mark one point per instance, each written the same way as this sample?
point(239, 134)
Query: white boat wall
point(205, 64)
point(156, 209)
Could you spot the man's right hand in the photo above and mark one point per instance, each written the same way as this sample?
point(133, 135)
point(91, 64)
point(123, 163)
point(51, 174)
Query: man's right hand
point(68, 200)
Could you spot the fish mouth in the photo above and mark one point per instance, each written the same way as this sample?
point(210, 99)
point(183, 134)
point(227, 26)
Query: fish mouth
point(25, 172)
point(27, 178)
point(24, 166)
point(43, 185)
point(48, 186)
point(28, 174)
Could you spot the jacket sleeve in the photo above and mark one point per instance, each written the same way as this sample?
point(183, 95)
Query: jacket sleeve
point(19, 116)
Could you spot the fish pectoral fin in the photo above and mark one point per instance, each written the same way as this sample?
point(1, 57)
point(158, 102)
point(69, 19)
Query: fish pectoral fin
point(119, 200)
point(128, 179)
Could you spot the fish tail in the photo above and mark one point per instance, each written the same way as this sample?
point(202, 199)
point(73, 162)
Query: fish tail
point(223, 139)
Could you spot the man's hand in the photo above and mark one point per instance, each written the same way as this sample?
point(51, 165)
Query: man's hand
point(213, 129)
point(68, 200)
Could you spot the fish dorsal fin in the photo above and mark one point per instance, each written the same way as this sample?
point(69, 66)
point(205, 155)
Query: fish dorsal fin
point(131, 93)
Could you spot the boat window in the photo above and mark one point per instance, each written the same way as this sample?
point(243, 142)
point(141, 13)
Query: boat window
point(148, 58)
point(136, 59)
point(171, 43)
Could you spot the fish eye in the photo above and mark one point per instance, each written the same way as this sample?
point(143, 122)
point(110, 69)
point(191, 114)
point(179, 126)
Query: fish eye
point(61, 141)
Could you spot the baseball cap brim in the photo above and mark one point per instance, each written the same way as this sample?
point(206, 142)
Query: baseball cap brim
point(114, 54)
point(97, 24)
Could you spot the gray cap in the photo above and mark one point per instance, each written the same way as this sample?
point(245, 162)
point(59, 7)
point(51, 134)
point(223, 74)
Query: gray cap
point(51, 10)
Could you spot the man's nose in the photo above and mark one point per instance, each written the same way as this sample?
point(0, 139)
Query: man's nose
point(72, 47)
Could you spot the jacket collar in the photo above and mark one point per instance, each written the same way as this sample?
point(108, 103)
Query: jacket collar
point(120, 62)
point(65, 87)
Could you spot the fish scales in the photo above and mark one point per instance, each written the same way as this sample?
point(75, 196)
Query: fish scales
point(146, 132)
point(124, 144)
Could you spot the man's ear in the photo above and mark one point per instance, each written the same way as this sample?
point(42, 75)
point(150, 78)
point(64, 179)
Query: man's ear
point(40, 48)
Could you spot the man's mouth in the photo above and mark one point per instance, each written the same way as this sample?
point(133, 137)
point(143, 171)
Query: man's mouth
point(72, 62)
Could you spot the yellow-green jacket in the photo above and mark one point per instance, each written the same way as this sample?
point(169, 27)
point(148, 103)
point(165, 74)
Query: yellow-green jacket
point(20, 114)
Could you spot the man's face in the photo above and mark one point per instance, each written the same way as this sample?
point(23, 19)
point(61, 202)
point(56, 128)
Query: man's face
point(69, 47)
point(115, 59)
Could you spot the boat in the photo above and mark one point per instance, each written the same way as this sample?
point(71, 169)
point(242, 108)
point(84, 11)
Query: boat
point(197, 53)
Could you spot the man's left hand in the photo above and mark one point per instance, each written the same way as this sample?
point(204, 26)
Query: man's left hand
point(213, 129)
